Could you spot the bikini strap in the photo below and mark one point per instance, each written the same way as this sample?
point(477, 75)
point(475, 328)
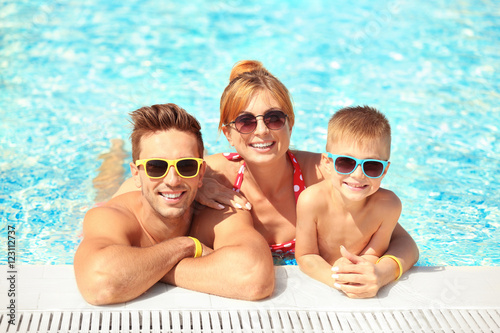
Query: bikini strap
point(298, 180)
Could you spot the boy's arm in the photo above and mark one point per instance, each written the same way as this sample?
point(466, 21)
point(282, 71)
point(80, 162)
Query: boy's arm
point(404, 248)
point(388, 210)
point(368, 277)
point(306, 240)
point(241, 265)
point(108, 269)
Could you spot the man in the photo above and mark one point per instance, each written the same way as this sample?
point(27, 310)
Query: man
point(139, 238)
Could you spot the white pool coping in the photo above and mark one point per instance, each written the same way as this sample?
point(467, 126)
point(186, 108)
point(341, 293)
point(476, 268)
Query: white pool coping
point(424, 289)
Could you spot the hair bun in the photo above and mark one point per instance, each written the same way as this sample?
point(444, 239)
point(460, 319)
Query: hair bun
point(244, 66)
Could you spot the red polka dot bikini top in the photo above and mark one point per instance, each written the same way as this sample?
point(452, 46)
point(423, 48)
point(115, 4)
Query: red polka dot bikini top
point(298, 187)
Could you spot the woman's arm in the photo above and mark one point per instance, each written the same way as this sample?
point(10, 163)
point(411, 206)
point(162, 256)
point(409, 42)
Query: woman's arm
point(217, 190)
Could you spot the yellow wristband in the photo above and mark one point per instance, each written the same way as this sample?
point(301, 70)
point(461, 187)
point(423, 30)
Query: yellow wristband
point(198, 249)
point(397, 262)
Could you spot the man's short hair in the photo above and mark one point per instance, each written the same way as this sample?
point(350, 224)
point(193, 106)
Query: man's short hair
point(162, 117)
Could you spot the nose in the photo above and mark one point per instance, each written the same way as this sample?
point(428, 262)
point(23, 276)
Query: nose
point(261, 126)
point(358, 172)
point(172, 178)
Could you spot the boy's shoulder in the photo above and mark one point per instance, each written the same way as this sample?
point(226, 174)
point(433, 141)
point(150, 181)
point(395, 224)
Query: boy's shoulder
point(385, 199)
point(316, 194)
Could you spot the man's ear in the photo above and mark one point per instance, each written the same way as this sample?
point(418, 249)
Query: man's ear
point(203, 168)
point(135, 174)
point(227, 132)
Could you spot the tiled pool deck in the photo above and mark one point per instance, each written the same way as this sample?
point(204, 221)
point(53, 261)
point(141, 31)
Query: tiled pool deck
point(426, 299)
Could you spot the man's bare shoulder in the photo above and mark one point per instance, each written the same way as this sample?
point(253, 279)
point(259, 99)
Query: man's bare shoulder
point(117, 217)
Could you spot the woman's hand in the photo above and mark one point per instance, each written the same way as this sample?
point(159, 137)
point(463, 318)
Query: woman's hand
point(215, 195)
point(356, 276)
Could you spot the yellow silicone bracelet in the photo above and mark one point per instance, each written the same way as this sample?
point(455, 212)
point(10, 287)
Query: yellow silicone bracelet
point(198, 249)
point(397, 262)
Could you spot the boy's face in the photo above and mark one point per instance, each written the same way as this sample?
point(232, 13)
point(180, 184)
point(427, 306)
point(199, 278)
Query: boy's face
point(356, 186)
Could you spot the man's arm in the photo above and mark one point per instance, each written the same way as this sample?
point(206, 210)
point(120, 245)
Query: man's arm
point(241, 265)
point(109, 269)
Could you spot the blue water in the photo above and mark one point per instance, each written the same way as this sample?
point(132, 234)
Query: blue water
point(71, 71)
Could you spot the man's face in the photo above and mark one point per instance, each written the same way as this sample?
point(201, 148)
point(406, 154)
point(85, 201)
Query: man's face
point(171, 196)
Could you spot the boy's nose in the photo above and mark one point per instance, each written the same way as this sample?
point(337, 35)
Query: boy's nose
point(358, 172)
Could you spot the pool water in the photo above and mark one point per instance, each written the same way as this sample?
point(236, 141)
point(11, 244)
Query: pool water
point(71, 71)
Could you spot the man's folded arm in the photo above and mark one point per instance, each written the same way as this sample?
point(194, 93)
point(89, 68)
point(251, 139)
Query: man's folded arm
point(109, 269)
point(241, 265)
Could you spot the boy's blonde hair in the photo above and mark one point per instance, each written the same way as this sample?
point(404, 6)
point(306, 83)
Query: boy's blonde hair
point(360, 125)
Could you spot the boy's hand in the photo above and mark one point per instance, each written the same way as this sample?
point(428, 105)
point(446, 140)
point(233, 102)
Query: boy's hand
point(355, 276)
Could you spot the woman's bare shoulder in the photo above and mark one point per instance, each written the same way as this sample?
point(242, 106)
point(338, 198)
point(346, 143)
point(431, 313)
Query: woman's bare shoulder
point(310, 164)
point(219, 166)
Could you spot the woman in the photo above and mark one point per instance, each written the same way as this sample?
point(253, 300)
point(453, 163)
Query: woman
point(257, 119)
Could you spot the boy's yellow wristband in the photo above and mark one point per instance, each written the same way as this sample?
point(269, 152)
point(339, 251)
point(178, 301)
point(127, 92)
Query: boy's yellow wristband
point(198, 249)
point(397, 262)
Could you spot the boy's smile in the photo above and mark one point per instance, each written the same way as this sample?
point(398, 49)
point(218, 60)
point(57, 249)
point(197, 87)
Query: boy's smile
point(356, 186)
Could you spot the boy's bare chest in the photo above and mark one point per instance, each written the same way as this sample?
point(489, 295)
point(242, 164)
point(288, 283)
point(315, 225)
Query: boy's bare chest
point(354, 232)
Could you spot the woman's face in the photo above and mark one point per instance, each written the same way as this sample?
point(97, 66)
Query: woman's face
point(263, 144)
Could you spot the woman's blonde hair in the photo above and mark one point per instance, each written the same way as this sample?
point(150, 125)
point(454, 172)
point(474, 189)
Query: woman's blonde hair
point(247, 78)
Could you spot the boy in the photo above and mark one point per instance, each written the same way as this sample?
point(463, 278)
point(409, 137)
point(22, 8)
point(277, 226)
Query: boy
point(348, 209)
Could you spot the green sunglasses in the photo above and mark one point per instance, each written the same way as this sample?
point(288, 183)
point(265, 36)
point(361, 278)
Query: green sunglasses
point(158, 168)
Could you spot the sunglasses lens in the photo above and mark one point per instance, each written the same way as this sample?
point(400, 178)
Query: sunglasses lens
point(156, 168)
point(187, 168)
point(245, 123)
point(275, 120)
point(344, 165)
point(373, 169)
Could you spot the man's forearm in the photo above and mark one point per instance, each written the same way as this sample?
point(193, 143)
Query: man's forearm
point(233, 271)
point(119, 273)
